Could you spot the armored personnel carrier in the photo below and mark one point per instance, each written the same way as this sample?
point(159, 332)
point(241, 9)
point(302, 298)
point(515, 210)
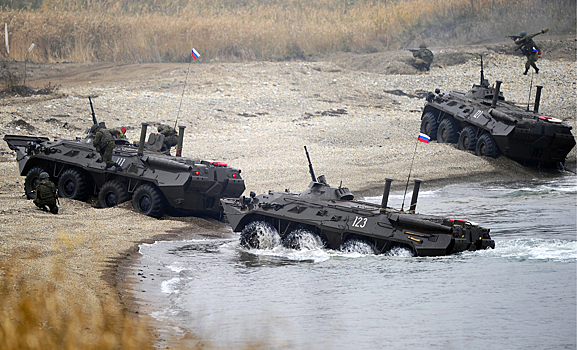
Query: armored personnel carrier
point(480, 120)
point(156, 182)
point(332, 216)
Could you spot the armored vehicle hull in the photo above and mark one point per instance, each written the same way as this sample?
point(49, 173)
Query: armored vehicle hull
point(156, 182)
point(480, 120)
point(335, 218)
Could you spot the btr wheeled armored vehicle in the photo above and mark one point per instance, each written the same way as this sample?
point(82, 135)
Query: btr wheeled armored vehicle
point(480, 120)
point(156, 182)
point(332, 216)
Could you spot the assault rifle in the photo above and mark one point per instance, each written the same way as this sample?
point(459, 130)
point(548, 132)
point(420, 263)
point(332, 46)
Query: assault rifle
point(413, 50)
point(513, 37)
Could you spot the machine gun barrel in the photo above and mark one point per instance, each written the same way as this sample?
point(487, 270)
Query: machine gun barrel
point(310, 165)
point(92, 109)
point(413, 50)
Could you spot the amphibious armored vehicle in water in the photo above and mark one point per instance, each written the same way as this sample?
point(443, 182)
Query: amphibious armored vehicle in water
point(331, 215)
point(480, 120)
point(156, 182)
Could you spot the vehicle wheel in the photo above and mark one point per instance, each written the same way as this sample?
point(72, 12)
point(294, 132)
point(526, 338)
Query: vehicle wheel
point(301, 238)
point(259, 235)
point(149, 201)
point(32, 180)
point(447, 132)
point(355, 245)
point(429, 125)
point(467, 139)
point(486, 147)
point(72, 184)
point(112, 193)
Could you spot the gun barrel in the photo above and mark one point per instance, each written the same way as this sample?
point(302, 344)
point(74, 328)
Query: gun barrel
point(92, 109)
point(310, 165)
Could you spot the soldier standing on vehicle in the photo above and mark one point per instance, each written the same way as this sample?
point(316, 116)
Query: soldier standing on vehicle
point(170, 137)
point(423, 58)
point(530, 49)
point(104, 143)
point(46, 194)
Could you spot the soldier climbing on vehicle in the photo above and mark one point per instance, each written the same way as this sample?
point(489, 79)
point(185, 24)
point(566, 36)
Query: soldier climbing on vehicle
point(104, 143)
point(423, 58)
point(170, 137)
point(46, 194)
point(529, 48)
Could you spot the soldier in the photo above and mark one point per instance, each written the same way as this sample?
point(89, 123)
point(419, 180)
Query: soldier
point(423, 58)
point(530, 49)
point(104, 143)
point(46, 194)
point(170, 137)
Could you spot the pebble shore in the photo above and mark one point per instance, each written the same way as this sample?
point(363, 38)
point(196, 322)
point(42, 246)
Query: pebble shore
point(359, 127)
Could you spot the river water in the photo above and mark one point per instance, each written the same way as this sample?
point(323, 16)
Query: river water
point(521, 295)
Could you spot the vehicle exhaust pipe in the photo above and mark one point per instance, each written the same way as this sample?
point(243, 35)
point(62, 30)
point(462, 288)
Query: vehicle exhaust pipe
point(496, 94)
point(538, 98)
point(386, 194)
point(180, 140)
point(142, 138)
point(415, 195)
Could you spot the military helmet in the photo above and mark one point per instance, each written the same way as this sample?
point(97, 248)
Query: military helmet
point(523, 33)
point(160, 127)
point(422, 46)
point(93, 128)
point(44, 175)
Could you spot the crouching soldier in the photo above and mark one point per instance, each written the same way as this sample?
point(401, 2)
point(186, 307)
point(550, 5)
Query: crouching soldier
point(104, 143)
point(170, 137)
point(46, 194)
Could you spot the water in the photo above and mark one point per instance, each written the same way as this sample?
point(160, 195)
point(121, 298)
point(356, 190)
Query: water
point(521, 295)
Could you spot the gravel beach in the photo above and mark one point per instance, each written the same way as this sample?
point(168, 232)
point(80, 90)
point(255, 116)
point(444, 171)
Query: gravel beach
point(358, 115)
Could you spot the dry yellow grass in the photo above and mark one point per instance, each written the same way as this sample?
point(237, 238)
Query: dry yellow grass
point(34, 315)
point(156, 30)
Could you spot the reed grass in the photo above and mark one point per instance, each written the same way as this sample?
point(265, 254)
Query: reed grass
point(165, 31)
point(35, 314)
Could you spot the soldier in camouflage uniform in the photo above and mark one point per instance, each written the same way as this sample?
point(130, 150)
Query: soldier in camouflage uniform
point(46, 194)
point(529, 49)
point(423, 58)
point(170, 137)
point(104, 143)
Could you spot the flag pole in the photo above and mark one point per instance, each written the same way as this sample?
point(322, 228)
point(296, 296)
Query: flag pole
point(422, 138)
point(411, 169)
point(182, 96)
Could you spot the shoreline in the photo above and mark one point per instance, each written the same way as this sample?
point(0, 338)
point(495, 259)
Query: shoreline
point(257, 117)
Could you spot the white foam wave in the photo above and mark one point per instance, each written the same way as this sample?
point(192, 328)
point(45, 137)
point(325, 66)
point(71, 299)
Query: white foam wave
point(169, 287)
point(535, 249)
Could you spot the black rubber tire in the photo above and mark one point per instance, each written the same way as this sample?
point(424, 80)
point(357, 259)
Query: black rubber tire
point(32, 180)
point(249, 236)
point(429, 125)
point(357, 245)
point(486, 147)
point(447, 132)
point(467, 139)
point(148, 200)
point(72, 184)
point(112, 194)
point(302, 238)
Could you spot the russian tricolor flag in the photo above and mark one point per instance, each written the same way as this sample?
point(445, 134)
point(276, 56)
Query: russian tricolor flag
point(424, 138)
point(194, 53)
